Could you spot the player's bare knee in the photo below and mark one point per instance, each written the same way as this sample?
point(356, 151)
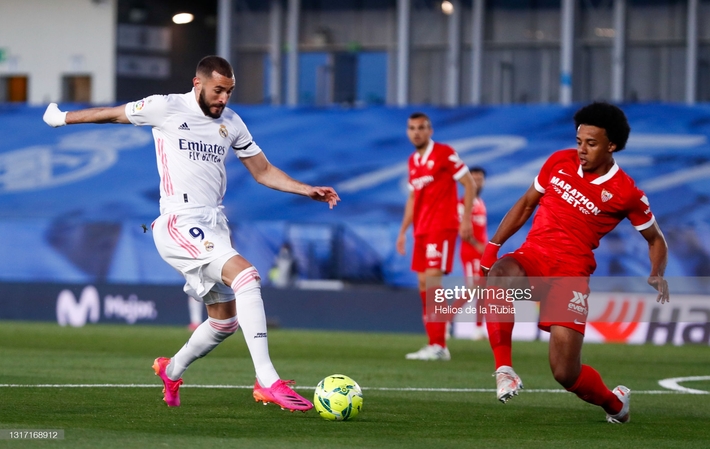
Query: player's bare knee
point(506, 267)
point(233, 267)
point(421, 282)
point(564, 375)
point(507, 273)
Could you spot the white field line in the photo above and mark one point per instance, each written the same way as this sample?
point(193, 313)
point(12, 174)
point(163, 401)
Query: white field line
point(435, 390)
point(673, 384)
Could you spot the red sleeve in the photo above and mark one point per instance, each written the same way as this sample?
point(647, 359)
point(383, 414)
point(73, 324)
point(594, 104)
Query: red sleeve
point(639, 210)
point(543, 177)
point(454, 164)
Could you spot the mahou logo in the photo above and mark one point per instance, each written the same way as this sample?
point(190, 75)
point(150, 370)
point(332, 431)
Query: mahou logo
point(74, 313)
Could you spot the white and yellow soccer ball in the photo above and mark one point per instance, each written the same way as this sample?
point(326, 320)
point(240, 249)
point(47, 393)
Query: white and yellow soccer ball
point(338, 398)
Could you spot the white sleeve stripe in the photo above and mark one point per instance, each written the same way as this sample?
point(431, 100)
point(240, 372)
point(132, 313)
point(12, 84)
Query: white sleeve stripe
point(646, 225)
point(462, 171)
point(537, 185)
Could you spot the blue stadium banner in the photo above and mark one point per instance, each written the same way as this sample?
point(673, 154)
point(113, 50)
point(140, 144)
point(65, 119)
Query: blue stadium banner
point(76, 202)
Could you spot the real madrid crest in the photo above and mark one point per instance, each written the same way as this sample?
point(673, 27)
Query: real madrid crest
point(209, 246)
point(606, 195)
point(223, 131)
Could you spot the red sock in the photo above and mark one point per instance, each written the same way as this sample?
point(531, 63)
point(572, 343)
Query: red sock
point(500, 338)
point(435, 331)
point(500, 333)
point(590, 387)
point(479, 316)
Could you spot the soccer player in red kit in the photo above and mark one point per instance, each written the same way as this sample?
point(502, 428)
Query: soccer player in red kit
point(472, 250)
point(581, 195)
point(431, 208)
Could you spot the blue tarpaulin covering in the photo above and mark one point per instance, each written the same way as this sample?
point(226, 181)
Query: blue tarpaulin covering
point(73, 199)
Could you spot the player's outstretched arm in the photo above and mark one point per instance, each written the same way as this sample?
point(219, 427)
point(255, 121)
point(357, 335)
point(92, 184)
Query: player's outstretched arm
point(517, 215)
point(658, 254)
point(511, 223)
point(55, 117)
point(271, 176)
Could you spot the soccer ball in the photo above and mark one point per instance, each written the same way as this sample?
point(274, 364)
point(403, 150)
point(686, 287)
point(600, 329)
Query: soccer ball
point(338, 398)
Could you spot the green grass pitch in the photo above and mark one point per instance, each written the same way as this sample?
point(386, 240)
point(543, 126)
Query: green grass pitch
point(454, 406)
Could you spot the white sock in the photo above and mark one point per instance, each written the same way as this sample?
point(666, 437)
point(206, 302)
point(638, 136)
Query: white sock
point(250, 310)
point(195, 308)
point(205, 338)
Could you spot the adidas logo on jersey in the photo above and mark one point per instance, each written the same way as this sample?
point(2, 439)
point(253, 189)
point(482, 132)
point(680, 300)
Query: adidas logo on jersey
point(184, 127)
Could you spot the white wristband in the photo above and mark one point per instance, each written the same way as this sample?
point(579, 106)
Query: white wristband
point(54, 117)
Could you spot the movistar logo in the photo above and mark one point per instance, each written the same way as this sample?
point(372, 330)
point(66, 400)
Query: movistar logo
point(74, 313)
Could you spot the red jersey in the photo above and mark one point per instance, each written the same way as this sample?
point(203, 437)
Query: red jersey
point(479, 223)
point(577, 209)
point(432, 179)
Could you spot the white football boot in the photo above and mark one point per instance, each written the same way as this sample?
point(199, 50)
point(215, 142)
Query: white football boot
point(430, 352)
point(508, 384)
point(624, 395)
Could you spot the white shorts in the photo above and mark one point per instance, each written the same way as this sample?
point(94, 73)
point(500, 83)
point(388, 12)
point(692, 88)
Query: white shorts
point(196, 243)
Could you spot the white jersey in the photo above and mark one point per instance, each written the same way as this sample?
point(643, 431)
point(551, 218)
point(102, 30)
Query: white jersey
point(190, 148)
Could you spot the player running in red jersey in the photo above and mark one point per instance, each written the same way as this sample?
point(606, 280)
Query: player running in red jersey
point(581, 195)
point(431, 208)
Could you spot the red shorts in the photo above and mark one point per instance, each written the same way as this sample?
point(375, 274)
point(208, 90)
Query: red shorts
point(561, 289)
point(434, 251)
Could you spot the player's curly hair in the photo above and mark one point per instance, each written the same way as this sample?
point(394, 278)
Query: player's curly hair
point(213, 63)
point(607, 116)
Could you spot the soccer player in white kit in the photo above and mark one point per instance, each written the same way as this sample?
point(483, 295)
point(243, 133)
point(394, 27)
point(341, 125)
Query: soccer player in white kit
point(193, 133)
